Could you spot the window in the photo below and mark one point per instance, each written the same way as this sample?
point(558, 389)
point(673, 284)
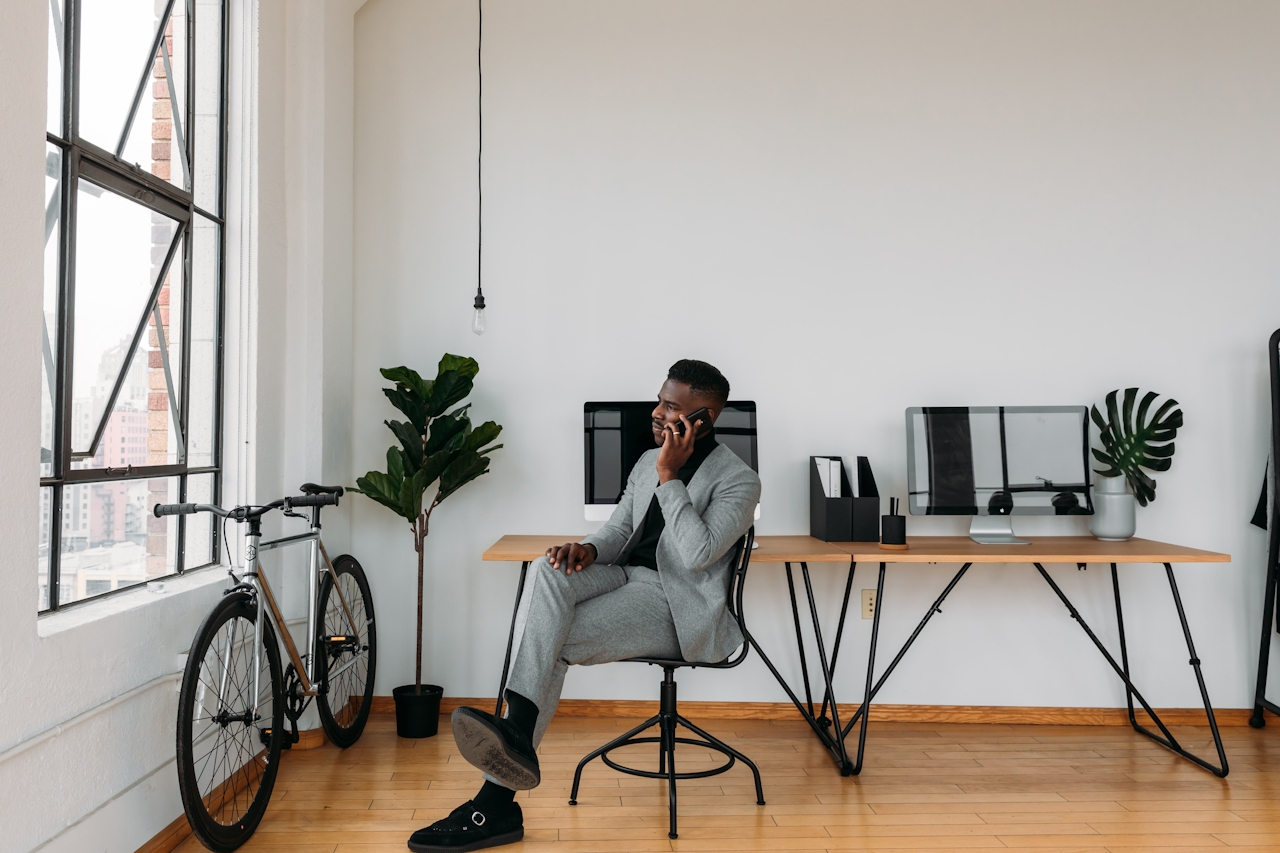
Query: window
point(131, 363)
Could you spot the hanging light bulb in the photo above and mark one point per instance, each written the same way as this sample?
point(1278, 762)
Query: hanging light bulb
point(477, 319)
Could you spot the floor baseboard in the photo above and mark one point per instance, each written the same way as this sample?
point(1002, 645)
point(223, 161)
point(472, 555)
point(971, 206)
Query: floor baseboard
point(988, 714)
point(168, 838)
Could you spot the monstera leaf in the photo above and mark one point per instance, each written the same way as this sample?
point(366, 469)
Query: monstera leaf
point(1131, 444)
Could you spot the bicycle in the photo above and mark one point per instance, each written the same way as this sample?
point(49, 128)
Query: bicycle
point(235, 697)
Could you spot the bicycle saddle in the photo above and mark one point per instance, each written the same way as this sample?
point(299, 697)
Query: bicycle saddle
point(313, 489)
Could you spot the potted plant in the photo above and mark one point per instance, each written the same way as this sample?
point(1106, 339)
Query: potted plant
point(435, 444)
point(1128, 446)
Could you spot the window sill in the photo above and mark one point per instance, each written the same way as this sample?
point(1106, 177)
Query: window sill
point(51, 624)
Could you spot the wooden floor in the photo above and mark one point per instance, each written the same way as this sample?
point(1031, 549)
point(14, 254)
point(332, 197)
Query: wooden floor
point(925, 787)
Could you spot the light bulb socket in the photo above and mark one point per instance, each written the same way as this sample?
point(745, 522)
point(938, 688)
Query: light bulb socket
point(479, 305)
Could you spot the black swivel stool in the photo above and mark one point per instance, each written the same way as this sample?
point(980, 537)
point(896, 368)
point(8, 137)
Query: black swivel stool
point(668, 716)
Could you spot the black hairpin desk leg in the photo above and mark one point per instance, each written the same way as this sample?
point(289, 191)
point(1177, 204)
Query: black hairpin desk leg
point(871, 664)
point(1165, 738)
point(827, 666)
point(831, 735)
point(871, 691)
point(511, 637)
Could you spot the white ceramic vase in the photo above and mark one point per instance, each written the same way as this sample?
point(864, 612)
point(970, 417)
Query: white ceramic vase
point(1115, 515)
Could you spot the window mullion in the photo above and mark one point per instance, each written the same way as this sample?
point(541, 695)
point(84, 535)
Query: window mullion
point(179, 556)
point(224, 133)
point(71, 70)
point(62, 376)
point(191, 97)
point(55, 543)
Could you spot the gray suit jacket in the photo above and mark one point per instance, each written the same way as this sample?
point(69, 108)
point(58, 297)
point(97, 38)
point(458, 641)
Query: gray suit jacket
point(703, 522)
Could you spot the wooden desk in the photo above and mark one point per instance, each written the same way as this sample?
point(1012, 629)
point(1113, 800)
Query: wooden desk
point(802, 550)
point(1080, 550)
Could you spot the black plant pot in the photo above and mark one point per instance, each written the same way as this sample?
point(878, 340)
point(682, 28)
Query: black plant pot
point(417, 714)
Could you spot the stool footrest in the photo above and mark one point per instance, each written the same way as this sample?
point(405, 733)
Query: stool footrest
point(649, 774)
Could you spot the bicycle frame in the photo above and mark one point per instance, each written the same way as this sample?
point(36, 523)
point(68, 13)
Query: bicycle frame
point(257, 581)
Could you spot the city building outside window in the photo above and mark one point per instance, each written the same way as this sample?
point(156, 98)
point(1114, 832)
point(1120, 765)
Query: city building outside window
point(131, 362)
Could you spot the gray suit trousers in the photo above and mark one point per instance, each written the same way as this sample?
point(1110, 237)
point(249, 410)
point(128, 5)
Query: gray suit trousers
point(600, 614)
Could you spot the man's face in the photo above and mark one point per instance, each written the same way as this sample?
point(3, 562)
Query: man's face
point(676, 399)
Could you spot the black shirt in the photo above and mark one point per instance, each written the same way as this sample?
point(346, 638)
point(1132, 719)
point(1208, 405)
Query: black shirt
point(646, 551)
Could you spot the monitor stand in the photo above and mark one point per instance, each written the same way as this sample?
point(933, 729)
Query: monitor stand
point(994, 530)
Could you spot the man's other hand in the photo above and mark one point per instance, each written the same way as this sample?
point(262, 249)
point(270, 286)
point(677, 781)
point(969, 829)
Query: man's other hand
point(571, 557)
point(676, 450)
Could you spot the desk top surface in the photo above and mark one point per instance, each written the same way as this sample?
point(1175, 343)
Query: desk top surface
point(924, 549)
point(1043, 549)
point(773, 549)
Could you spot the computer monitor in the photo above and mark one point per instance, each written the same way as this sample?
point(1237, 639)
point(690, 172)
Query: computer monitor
point(616, 435)
point(992, 462)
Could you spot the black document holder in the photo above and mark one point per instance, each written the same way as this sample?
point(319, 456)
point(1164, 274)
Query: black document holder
point(845, 519)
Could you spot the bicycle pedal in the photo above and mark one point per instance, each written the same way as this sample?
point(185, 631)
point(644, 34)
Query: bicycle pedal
point(265, 736)
point(339, 643)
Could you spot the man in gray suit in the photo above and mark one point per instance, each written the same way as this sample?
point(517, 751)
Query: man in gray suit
point(653, 582)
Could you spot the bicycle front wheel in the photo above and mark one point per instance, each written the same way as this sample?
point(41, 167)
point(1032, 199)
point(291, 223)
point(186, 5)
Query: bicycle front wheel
point(228, 743)
point(346, 652)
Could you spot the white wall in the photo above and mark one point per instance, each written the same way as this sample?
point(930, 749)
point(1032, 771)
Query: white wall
point(850, 208)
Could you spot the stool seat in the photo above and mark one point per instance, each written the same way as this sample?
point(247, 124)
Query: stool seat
point(676, 663)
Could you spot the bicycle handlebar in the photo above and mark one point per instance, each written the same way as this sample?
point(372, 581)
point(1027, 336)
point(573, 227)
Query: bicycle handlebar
point(174, 509)
point(328, 497)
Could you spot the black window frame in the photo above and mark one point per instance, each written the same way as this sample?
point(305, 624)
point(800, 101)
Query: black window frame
point(80, 158)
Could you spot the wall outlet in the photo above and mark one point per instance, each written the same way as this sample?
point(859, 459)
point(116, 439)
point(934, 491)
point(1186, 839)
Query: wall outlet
point(868, 603)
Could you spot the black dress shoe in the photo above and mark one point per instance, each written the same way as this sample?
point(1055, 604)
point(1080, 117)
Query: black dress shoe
point(466, 828)
point(496, 747)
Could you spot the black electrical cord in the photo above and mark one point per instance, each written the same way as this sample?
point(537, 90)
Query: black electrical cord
point(479, 303)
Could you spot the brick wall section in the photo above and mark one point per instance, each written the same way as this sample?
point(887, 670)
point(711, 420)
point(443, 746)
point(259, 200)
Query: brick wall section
point(157, 393)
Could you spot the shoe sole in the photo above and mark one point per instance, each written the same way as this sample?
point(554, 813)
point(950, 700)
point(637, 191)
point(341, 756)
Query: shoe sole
point(495, 841)
point(485, 748)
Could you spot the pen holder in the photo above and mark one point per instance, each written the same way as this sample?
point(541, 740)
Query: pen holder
point(893, 532)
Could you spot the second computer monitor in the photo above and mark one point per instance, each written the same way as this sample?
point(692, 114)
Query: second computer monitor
point(998, 460)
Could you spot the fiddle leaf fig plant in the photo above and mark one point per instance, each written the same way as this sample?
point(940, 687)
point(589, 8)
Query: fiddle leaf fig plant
point(435, 444)
point(1130, 444)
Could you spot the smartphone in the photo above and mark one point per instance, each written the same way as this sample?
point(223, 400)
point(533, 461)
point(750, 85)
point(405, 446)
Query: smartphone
point(700, 415)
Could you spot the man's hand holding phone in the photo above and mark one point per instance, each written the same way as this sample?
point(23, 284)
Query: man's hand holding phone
point(571, 556)
point(677, 444)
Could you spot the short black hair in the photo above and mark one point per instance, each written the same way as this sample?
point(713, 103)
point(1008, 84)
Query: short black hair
point(702, 379)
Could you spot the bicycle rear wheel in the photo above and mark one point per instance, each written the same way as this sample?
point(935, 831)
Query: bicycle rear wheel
point(346, 652)
point(228, 756)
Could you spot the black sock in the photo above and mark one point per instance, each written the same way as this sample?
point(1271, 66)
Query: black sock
point(521, 713)
point(493, 800)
